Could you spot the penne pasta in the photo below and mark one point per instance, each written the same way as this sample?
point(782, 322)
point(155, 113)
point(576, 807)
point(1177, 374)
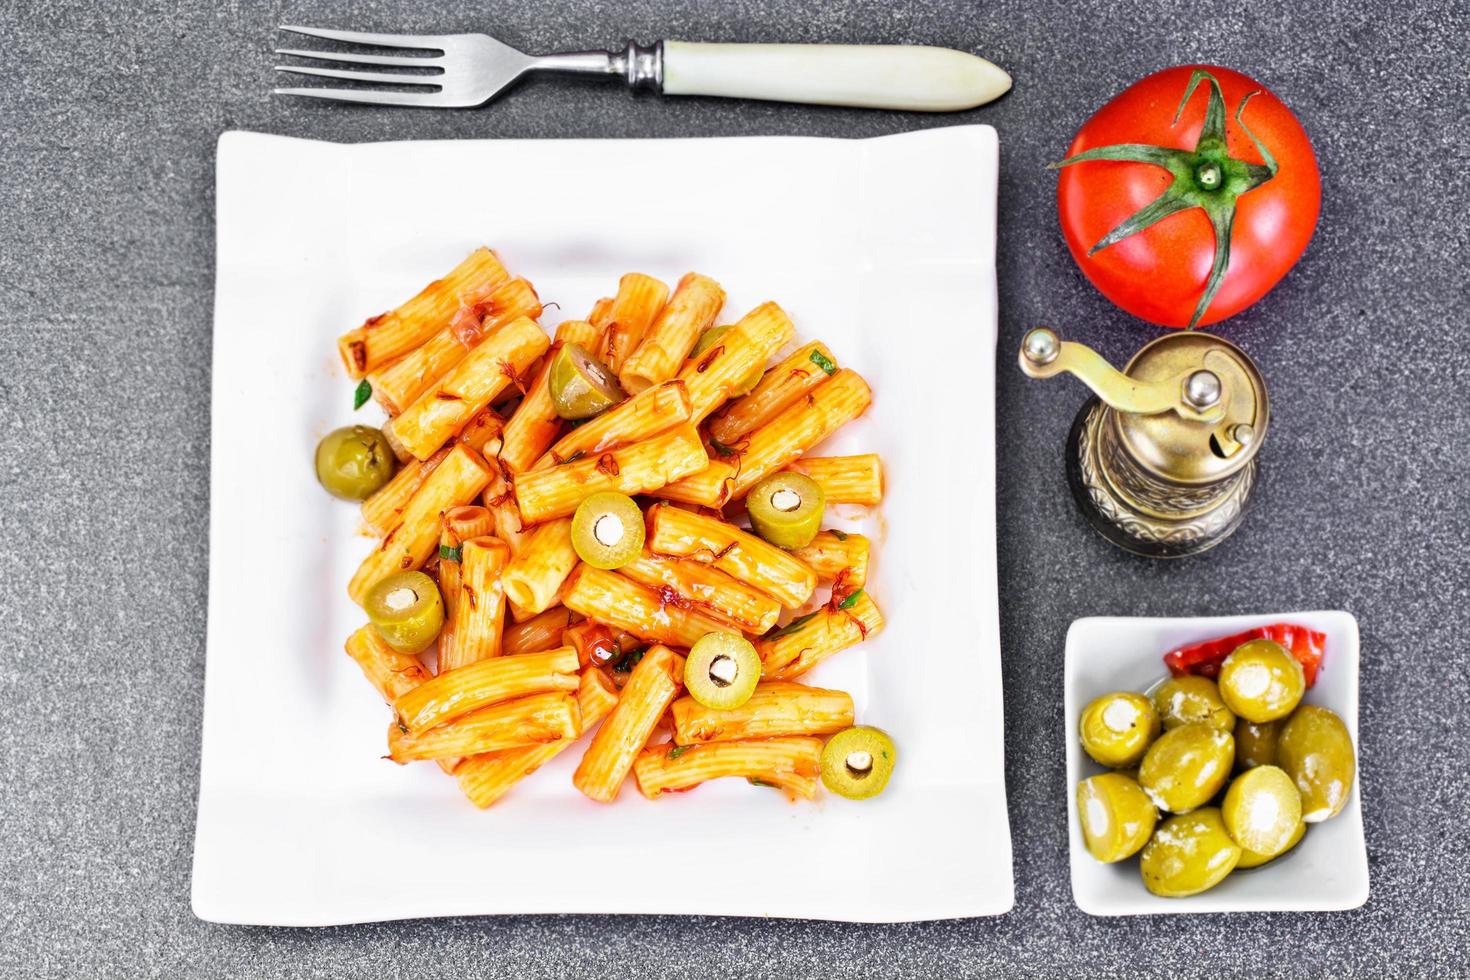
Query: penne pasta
point(456, 480)
point(482, 432)
point(623, 604)
point(499, 360)
point(534, 425)
point(534, 720)
point(781, 386)
point(541, 632)
point(383, 510)
point(479, 606)
point(534, 577)
point(775, 709)
point(458, 692)
point(545, 494)
point(646, 414)
point(689, 312)
point(807, 641)
point(790, 764)
point(821, 412)
point(651, 688)
point(845, 479)
point(677, 533)
point(639, 300)
point(391, 673)
point(390, 335)
point(837, 554)
point(399, 384)
point(749, 344)
point(695, 585)
point(486, 778)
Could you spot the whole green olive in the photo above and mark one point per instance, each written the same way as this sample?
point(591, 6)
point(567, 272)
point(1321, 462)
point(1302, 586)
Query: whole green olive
point(1317, 753)
point(1188, 854)
point(1189, 699)
point(1187, 766)
point(1261, 681)
point(1117, 728)
point(354, 462)
point(1116, 815)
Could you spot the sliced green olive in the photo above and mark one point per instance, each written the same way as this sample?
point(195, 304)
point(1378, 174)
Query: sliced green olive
point(1116, 729)
point(1260, 681)
point(857, 762)
point(722, 670)
point(580, 385)
point(407, 610)
point(1188, 854)
point(1250, 859)
point(710, 338)
point(607, 530)
point(354, 462)
point(1189, 699)
point(1262, 810)
point(786, 509)
point(1116, 815)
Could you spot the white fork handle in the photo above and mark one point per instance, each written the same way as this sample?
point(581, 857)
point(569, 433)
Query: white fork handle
point(872, 76)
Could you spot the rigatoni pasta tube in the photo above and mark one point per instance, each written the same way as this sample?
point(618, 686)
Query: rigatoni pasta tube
point(689, 312)
point(579, 332)
point(541, 632)
point(502, 506)
point(534, 720)
point(456, 480)
point(486, 778)
point(383, 510)
point(391, 673)
point(651, 688)
point(534, 425)
point(845, 479)
point(534, 577)
point(440, 412)
point(479, 608)
point(467, 521)
point(714, 375)
point(624, 604)
point(776, 708)
point(781, 386)
point(710, 487)
point(482, 432)
point(545, 494)
point(390, 335)
point(788, 763)
point(836, 553)
point(808, 641)
point(633, 310)
point(646, 414)
point(677, 533)
point(458, 692)
point(397, 385)
point(446, 573)
point(821, 412)
point(708, 589)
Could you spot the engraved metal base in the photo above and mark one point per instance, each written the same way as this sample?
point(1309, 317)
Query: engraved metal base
point(1136, 511)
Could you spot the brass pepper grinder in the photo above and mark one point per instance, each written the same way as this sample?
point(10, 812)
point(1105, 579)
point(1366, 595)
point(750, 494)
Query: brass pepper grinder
point(1162, 460)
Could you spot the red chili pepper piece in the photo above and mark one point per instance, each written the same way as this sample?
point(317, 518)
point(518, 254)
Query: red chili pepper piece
point(1307, 645)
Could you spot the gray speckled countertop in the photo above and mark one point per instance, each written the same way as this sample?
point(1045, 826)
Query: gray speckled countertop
point(109, 124)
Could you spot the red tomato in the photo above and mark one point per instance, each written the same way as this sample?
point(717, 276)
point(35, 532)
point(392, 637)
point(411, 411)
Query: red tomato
point(1161, 272)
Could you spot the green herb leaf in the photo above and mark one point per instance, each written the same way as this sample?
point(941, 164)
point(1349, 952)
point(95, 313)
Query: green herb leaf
point(850, 601)
point(839, 535)
point(447, 553)
point(721, 448)
point(823, 362)
point(362, 394)
point(760, 782)
point(679, 750)
point(790, 627)
point(630, 660)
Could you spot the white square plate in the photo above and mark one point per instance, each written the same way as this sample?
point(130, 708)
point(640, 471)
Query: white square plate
point(1327, 871)
point(882, 248)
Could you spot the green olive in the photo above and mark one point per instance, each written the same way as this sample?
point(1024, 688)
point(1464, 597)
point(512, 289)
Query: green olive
point(856, 762)
point(1187, 766)
point(1188, 854)
point(354, 462)
point(580, 385)
point(1317, 753)
point(722, 670)
point(710, 338)
point(1255, 744)
point(607, 530)
point(1116, 815)
point(1250, 859)
point(1262, 810)
point(1261, 681)
point(786, 509)
point(1189, 699)
point(1117, 728)
point(407, 610)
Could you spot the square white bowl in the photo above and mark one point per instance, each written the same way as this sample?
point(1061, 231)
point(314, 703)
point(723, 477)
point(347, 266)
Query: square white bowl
point(883, 248)
point(1327, 871)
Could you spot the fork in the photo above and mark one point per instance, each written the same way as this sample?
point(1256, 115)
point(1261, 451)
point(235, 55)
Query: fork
point(471, 69)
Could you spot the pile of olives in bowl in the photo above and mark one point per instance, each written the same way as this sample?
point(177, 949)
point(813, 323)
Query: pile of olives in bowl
point(1209, 777)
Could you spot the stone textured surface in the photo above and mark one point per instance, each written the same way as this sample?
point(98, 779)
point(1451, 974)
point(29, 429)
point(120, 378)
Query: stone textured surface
point(109, 115)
